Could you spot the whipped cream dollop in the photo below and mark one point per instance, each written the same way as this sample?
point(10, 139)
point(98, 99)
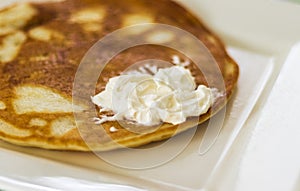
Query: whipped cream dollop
point(170, 95)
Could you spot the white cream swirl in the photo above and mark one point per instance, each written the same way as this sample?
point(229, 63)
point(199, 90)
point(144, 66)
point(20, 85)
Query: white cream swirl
point(168, 96)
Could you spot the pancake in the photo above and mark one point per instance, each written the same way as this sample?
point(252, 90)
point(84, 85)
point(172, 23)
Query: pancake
point(41, 47)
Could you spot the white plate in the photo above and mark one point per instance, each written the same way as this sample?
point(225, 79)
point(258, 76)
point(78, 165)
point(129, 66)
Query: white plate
point(189, 170)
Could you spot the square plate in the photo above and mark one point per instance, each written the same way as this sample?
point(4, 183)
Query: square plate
point(189, 170)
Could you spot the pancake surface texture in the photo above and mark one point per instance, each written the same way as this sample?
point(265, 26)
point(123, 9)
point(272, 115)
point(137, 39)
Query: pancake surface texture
point(41, 46)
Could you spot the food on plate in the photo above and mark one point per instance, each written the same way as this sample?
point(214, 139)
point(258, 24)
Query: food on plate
point(42, 45)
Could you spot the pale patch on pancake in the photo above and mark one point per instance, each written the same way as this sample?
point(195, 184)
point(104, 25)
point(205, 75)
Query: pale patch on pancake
point(160, 37)
point(138, 19)
point(45, 34)
point(62, 125)
point(134, 19)
point(89, 18)
point(30, 99)
point(9, 129)
point(37, 122)
point(38, 58)
point(11, 45)
point(2, 105)
point(92, 26)
point(230, 68)
point(212, 39)
point(15, 18)
point(93, 14)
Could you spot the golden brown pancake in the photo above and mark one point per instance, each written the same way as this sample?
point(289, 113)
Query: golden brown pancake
point(41, 46)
